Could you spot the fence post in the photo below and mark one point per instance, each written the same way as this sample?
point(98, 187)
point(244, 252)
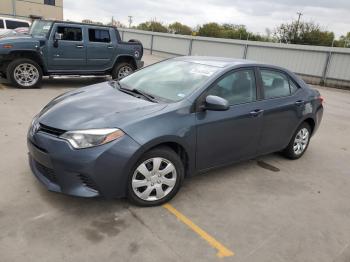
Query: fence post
point(190, 47)
point(245, 51)
point(326, 66)
point(151, 50)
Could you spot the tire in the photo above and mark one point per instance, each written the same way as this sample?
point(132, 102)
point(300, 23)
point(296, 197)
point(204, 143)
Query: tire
point(296, 149)
point(146, 189)
point(122, 70)
point(24, 73)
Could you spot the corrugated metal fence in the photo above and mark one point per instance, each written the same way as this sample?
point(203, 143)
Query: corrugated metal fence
point(317, 65)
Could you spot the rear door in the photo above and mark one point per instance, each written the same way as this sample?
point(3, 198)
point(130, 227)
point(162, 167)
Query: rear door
point(100, 48)
point(282, 105)
point(70, 51)
point(227, 136)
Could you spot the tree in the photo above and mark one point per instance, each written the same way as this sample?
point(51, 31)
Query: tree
point(152, 26)
point(305, 33)
point(210, 30)
point(178, 28)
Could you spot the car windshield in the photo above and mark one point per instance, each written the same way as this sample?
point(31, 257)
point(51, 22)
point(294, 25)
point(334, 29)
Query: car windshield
point(40, 28)
point(171, 80)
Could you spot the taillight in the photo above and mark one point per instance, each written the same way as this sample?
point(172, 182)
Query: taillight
point(321, 99)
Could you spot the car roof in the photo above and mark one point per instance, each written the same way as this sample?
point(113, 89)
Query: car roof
point(215, 61)
point(77, 23)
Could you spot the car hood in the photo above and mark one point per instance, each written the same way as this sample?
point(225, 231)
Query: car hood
point(97, 106)
point(21, 41)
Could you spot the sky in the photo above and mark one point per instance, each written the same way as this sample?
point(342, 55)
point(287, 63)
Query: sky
point(257, 15)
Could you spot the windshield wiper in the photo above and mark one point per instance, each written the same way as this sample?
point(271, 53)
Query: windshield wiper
point(136, 91)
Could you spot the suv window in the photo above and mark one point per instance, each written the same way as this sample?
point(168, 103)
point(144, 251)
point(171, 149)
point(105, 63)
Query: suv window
point(1, 23)
point(70, 33)
point(237, 87)
point(11, 24)
point(99, 35)
point(276, 84)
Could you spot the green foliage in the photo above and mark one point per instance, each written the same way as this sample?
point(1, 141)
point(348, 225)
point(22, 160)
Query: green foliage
point(152, 26)
point(181, 29)
point(304, 33)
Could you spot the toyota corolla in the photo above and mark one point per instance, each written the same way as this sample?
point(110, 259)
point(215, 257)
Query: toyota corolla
point(141, 136)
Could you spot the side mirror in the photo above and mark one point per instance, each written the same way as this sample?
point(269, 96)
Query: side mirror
point(216, 103)
point(57, 37)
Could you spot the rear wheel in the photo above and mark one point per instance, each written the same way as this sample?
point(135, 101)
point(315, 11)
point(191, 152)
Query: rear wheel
point(299, 142)
point(122, 70)
point(156, 178)
point(24, 73)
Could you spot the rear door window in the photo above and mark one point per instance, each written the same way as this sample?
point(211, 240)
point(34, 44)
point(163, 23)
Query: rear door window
point(11, 24)
point(276, 84)
point(99, 35)
point(70, 33)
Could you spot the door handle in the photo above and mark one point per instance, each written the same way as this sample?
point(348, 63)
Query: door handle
point(110, 46)
point(256, 112)
point(79, 46)
point(299, 102)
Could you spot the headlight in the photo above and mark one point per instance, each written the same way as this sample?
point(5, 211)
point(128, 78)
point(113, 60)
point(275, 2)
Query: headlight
point(92, 137)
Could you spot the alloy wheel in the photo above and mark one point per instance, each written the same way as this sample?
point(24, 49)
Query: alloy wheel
point(124, 71)
point(26, 74)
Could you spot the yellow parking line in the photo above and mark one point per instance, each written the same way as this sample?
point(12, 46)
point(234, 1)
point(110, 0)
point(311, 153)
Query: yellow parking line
point(222, 250)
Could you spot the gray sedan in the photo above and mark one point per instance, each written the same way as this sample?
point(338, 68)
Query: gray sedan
point(140, 137)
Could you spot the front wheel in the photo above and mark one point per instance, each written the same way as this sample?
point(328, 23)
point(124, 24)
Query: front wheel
point(24, 73)
point(122, 70)
point(156, 178)
point(299, 142)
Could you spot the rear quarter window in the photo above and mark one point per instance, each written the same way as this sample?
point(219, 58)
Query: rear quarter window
point(99, 35)
point(11, 24)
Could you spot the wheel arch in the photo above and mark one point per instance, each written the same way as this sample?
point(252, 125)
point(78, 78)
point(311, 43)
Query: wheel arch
point(125, 59)
point(176, 145)
point(29, 54)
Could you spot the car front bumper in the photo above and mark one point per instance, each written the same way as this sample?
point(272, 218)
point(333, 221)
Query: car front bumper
point(98, 171)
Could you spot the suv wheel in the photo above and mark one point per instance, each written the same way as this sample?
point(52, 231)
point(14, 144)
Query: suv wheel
point(122, 70)
point(299, 142)
point(156, 178)
point(24, 73)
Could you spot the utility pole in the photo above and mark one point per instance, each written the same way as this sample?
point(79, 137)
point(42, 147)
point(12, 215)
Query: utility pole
point(130, 20)
point(297, 26)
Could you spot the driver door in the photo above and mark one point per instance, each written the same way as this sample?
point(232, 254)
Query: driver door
point(228, 136)
point(69, 52)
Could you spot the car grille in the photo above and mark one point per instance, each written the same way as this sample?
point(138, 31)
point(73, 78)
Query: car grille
point(87, 182)
point(46, 172)
point(51, 130)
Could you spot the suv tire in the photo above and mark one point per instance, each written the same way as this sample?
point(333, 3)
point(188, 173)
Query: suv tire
point(122, 70)
point(24, 73)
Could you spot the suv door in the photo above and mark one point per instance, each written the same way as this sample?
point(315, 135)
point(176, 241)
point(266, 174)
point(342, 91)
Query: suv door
point(229, 136)
point(68, 53)
point(100, 48)
point(282, 107)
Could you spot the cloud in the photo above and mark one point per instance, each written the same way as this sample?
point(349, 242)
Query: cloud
point(256, 14)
